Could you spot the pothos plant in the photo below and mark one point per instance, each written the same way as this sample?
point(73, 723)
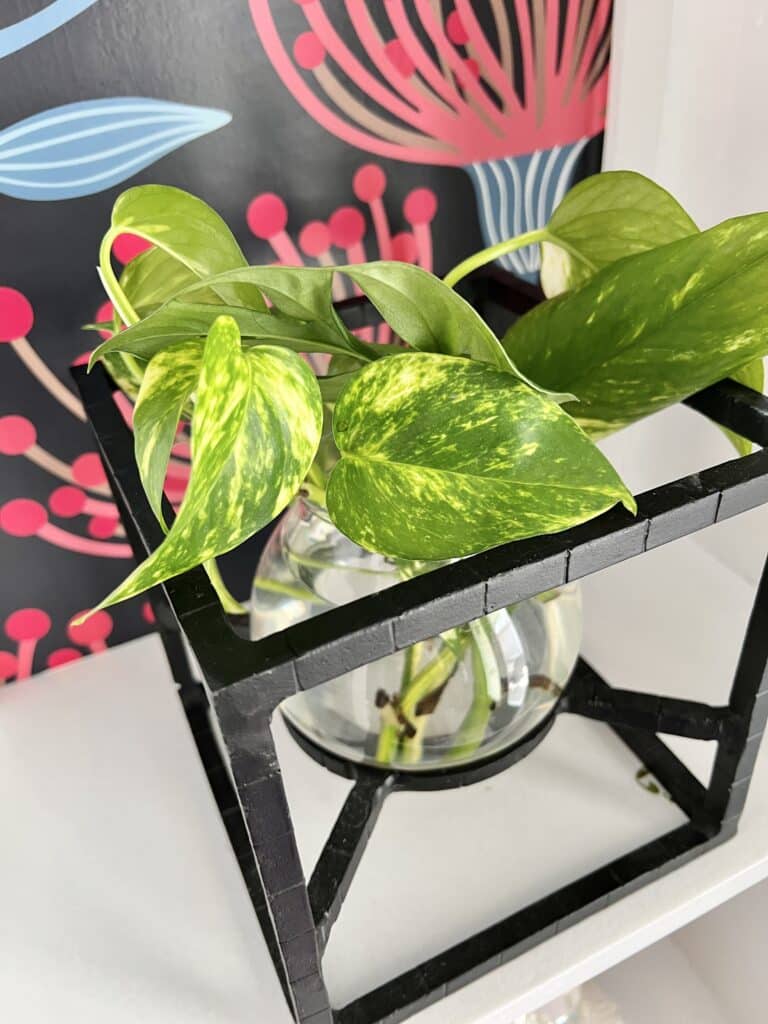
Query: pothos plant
point(450, 440)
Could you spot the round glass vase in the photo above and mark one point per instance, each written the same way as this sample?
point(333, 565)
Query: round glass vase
point(445, 702)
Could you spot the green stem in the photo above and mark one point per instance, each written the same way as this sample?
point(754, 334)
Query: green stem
point(389, 737)
point(471, 731)
point(109, 279)
point(389, 740)
point(493, 252)
point(429, 679)
point(315, 494)
point(230, 605)
point(298, 593)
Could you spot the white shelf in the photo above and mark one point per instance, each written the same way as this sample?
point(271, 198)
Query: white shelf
point(125, 903)
point(711, 972)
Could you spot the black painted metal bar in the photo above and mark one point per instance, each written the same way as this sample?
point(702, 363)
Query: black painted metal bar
point(591, 697)
point(735, 406)
point(749, 702)
point(342, 853)
point(516, 934)
point(640, 736)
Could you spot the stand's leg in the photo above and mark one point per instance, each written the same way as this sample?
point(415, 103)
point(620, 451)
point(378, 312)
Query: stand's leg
point(346, 844)
point(271, 857)
point(589, 695)
point(737, 754)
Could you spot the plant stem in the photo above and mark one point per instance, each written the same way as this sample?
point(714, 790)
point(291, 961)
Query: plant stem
point(430, 678)
point(298, 593)
point(229, 604)
point(389, 737)
point(494, 252)
point(111, 285)
point(389, 740)
point(471, 731)
point(314, 493)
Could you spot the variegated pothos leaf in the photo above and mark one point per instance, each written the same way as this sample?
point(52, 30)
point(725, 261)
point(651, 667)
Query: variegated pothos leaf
point(442, 457)
point(169, 380)
point(651, 329)
point(426, 313)
point(255, 430)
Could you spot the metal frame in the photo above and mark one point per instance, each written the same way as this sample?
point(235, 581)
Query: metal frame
point(245, 681)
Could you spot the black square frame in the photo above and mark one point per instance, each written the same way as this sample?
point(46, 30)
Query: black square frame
point(245, 681)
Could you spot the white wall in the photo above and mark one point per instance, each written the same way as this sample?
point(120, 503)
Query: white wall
point(689, 108)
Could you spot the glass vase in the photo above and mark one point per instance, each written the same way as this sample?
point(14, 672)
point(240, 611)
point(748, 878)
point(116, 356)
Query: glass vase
point(449, 701)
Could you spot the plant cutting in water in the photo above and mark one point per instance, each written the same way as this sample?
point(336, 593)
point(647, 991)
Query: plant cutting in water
point(446, 442)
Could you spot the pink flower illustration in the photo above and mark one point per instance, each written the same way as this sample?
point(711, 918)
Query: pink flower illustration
point(509, 91)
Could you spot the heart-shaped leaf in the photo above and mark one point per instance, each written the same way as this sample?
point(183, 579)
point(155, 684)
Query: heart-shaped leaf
point(601, 220)
point(649, 330)
point(169, 380)
point(184, 227)
point(255, 430)
point(442, 457)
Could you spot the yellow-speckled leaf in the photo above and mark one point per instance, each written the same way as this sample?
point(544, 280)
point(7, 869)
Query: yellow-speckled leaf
point(169, 380)
point(442, 457)
point(255, 430)
point(651, 329)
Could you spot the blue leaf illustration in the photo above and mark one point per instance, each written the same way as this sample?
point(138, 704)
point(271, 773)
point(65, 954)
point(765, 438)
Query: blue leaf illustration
point(29, 30)
point(83, 148)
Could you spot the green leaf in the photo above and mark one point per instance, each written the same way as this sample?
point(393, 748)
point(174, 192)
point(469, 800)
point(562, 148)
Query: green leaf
point(182, 321)
point(154, 277)
point(332, 385)
point(255, 429)
point(649, 330)
point(426, 313)
point(185, 228)
point(169, 380)
point(752, 376)
point(442, 457)
point(429, 316)
point(302, 293)
point(604, 218)
point(126, 371)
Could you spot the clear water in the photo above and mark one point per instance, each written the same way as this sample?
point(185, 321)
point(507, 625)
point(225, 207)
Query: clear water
point(447, 701)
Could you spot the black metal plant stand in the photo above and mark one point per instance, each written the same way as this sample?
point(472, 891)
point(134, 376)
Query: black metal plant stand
point(244, 681)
